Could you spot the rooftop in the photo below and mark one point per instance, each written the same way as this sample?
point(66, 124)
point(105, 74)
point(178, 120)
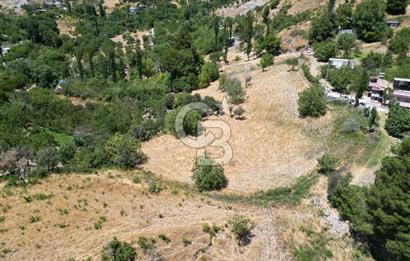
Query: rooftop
point(402, 79)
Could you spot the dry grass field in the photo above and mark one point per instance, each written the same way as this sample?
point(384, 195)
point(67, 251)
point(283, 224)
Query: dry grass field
point(269, 147)
point(74, 216)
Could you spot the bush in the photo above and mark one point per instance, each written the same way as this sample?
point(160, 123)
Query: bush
point(266, 60)
point(324, 50)
point(312, 102)
point(192, 123)
point(208, 176)
point(234, 89)
point(396, 7)
point(118, 251)
point(123, 151)
point(209, 73)
point(398, 121)
point(327, 163)
point(241, 227)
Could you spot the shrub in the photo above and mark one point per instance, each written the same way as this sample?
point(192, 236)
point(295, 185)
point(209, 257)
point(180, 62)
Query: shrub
point(209, 73)
point(146, 244)
point(234, 89)
point(327, 163)
point(118, 251)
point(241, 227)
point(208, 176)
point(266, 60)
point(312, 102)
point(398, 121)
point(368, 20)
point(324, 50)
point(123, 151)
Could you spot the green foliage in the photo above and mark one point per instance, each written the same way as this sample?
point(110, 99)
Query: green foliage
point(283, 20)
point(241, 227)
point(324, 50)
point(48, 158)
point(208, 176)
point(270, 44)
point(369, 20)
point(346, 42)
point(146, 244)
point(396, 7)
point(123, 151)
point(308, 75)
point(316, 250)
point(312, 102)
point(374, 62)
point(398, 121)
point(233, 88)
point(118, 251)
point(266, 60)
point(327, 164)
point(345, 79)
point(192, 123)
point(343, 16)
point(400, 44)
point(209, 73)
point(322, 28)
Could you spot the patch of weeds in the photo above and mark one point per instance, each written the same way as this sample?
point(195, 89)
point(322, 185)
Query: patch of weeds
point(63, 211)
point(35, 219)
point(160, 215)
point(164, 238)
point(2, 219)
point(3, 230)
point(123, 213)
point(98, 224)
point(241, 227)
point(62, 225)
point(186, 241)
point(136, 179)
point(28, 199)
point(146, 244)
point(316, 249)
point(42, 196)
point(292, 195)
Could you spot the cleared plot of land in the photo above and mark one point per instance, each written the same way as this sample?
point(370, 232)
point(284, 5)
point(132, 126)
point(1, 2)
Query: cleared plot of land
point(58, 219)
point(269, 147)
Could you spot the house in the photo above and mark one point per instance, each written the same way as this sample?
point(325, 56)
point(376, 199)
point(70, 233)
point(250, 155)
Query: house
point(401, 84)
point(377, 86)
point(339, 63)
point(393, 23)
point(401, 91)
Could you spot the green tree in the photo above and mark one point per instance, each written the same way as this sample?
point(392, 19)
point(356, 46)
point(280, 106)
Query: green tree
point(388, 202)
point(324, 50)
point(208, 175)
point(369, 20)
point(373, 118)
point(48, 158)
point(312, 102)
point(343, 16)
point(361, 86)
point(346, 42)
point(118, 251)
point(192, 123)
point(123, 151)
point(398, 121)
point(327, 164)
point(396, 7)
point(270, 44)
point(322, 28)
point(247, 31)
point(400, 44)
point(266, 60)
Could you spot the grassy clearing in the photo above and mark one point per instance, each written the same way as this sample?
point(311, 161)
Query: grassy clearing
point(292, 195)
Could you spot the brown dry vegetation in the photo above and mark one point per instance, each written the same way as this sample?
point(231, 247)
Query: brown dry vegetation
point(269, 147)
point(66, 225)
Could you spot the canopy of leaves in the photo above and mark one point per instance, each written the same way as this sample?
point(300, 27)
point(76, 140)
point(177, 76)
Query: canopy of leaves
point(312, 102)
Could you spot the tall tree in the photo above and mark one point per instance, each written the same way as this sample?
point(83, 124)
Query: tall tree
point(138, 59)
point(369, 20)
point(216, 29)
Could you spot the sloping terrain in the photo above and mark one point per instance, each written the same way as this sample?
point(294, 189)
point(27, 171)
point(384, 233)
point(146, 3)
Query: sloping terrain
point(76, 215)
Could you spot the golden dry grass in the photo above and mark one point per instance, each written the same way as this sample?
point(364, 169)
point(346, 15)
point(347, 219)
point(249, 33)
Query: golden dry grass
point(131, 212)
point(269, 146)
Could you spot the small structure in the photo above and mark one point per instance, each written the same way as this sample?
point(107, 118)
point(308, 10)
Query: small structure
point(378, 86)
point(345, 31)
point(393, 23)
point(401, 91)
point(5, 50)
point(339, 63)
